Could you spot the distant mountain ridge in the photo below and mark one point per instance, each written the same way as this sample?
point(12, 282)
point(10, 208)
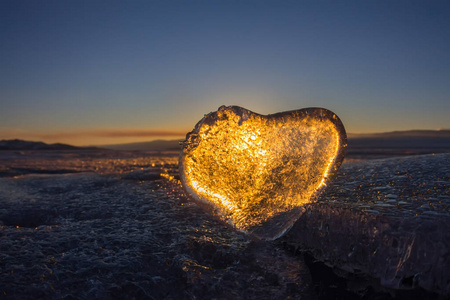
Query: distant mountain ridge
point(414, 139)
point(398, 143)
point(17, 144)
point(442, 133)
point(156, 145)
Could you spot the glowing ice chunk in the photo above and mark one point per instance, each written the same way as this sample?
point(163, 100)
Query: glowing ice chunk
point(256, 172)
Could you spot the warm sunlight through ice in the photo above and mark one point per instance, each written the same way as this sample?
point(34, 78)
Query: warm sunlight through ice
point(256, 171)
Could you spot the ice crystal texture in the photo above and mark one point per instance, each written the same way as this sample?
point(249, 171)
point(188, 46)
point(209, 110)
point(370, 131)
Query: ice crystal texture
point(257, 172)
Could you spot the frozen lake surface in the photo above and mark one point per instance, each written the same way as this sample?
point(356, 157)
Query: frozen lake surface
point(114, 225)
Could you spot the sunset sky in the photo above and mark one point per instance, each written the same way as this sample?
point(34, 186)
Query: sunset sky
point(109, 72)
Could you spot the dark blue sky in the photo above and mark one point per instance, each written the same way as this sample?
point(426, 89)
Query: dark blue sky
point(73, 70)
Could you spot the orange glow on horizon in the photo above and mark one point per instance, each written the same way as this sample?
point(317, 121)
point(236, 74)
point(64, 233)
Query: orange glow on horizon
point(93, 137)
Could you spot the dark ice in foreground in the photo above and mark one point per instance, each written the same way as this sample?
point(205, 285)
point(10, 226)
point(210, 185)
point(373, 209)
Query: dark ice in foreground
point(105, 226)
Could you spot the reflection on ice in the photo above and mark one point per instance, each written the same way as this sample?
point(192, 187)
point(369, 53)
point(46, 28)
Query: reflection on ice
point(100, 162)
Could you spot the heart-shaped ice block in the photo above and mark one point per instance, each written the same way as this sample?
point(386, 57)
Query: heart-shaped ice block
point(257, 172)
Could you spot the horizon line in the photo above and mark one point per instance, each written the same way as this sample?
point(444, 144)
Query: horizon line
point(158, 135)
